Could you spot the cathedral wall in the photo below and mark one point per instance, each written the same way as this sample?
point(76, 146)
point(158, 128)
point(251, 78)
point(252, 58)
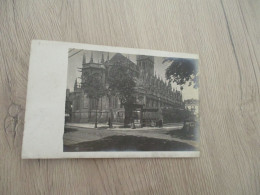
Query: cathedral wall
point(84, 110)
point(152, 93)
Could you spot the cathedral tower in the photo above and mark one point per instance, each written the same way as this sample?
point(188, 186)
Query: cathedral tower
point(75, 85)
point(146, 64)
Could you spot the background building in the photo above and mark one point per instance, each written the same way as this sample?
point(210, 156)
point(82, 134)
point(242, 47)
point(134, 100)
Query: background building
point(192, 105)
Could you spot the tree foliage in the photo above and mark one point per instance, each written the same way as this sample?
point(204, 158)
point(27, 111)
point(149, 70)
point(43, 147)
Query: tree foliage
point(172, 115)
point(94, 87)
point(121, 84)
point(182, 71)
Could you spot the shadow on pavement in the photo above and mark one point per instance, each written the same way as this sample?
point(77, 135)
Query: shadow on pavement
point(128, 143)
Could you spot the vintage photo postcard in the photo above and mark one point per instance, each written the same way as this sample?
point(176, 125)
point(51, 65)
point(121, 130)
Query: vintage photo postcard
point(89, 101)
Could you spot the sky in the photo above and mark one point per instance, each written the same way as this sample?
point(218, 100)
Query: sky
point(75, 63)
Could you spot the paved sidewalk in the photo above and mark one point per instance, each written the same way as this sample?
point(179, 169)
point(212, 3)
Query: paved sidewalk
point(172, 126)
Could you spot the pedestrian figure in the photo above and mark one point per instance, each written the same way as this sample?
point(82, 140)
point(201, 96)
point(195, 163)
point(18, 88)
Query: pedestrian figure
point(160, 123)
point(109, 123)
point(133, 124)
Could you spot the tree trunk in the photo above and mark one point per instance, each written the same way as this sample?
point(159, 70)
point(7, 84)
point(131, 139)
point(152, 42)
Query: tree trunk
point(128, 114)
point(90, 108)
point(96, 114)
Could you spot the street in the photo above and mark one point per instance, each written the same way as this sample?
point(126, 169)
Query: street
point(80, 137)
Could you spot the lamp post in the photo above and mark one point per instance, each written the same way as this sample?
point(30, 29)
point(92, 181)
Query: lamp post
point(96, 116)
point(96, 120)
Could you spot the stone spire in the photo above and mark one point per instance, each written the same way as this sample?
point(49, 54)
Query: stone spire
point(91, 58)
point(102, 58)
point(75, 85)
point(84, 59)
point(108, 56)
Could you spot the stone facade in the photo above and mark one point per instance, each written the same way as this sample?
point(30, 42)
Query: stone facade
point(151, 92)
point(192, 105)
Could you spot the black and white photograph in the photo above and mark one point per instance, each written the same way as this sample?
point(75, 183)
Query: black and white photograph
point(119, 102)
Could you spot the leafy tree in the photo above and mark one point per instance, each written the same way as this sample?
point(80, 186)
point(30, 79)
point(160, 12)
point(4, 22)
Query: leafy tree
point(122, 84)
point(182, 71)
point(95, 88)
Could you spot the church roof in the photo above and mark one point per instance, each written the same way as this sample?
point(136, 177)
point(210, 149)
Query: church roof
point(118, 57)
